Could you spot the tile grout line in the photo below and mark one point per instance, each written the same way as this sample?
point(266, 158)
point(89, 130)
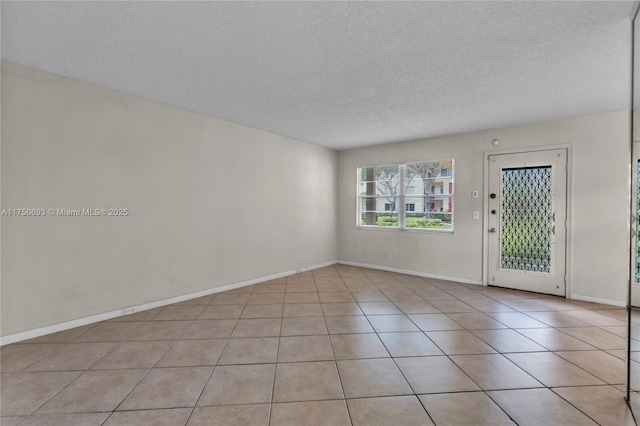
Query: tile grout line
point(335, 361)
point(215, 364)
point(79, 375)
point(387, 290)
point(393, 358)
point(275, 366)
point(152, 367)
point(450, 359)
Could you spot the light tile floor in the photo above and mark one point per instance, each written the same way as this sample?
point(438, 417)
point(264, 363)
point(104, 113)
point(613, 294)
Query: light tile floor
point(336, 346)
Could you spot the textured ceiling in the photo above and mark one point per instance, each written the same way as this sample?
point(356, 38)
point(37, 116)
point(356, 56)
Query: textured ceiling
point(340, 74)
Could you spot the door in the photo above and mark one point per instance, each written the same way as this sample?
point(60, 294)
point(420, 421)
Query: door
point(527, 221)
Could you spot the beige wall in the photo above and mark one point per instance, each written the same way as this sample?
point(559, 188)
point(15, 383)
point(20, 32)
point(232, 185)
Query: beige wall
point(214, 203)
point(211, 202)
point(599, 185)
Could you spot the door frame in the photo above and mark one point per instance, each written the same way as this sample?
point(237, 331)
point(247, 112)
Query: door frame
point(485, 208)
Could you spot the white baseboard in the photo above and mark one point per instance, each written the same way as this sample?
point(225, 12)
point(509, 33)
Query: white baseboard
point(408, 272)
point(54, 328)
point(476, 282)
point(598, 300)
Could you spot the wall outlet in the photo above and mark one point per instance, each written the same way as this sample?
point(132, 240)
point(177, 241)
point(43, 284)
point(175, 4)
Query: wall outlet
point(474, 194)
point(389, 255)
point(130, 310)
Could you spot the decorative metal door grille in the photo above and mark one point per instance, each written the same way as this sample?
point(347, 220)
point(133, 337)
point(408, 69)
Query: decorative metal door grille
point(526, 218)
point(638, 222)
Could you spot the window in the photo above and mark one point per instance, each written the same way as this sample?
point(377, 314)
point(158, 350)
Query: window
point(422, 190)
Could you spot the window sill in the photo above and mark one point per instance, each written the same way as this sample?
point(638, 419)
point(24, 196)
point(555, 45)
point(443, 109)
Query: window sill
point(409, 230)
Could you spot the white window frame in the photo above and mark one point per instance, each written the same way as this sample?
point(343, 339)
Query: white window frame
point(401, 199)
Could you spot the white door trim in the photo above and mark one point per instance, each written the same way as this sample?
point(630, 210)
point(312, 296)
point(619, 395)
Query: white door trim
point(485, 208)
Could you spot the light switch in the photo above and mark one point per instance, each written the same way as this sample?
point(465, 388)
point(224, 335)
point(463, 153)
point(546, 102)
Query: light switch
point(476, 215)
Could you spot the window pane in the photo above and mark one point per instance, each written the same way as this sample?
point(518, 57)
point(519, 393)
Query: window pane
point(389, 219)
point(429, 177)
point(379, 211)
point(431, 203)
point(379, 204)
point(428, 220)
point(380, 181)
point(430, 169)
